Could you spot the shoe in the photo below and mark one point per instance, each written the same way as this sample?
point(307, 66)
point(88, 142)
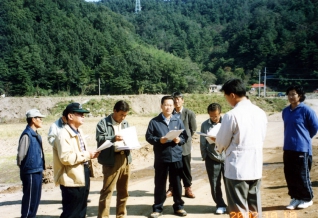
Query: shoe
point(155, 214)
point(220, 210)
point(180, 212)
point(304, 204)
point(293, 204)
point(169, 193)
point(188, 192)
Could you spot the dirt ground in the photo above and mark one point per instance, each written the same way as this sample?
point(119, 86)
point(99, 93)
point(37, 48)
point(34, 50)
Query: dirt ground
point(141, 187)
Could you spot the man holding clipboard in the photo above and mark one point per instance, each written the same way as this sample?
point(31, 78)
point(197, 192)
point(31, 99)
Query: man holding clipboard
point(168, 156)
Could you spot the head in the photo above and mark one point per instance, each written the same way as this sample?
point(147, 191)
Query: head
point(295, 94)
point(34, 118)
point(234, 91)
point(214, 111)
point(120, 111)
point(75, 114)
point(167, 105)
point(178, 100)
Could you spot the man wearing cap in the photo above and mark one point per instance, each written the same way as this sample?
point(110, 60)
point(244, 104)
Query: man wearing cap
point(71, 163)
point(188, 118)
point(116, 162)
point(30, 159)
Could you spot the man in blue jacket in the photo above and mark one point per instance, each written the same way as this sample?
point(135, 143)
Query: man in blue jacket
point(168, 156)
point(30, 159)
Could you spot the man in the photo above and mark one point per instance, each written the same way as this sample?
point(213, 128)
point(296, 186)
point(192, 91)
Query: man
point(116, 163)
point(188, 118)
point(214, 162)
point(30, 159)
point(241, 135)
point(71, 163)
point(56, 127)
point(168, 157)
point(300, 125)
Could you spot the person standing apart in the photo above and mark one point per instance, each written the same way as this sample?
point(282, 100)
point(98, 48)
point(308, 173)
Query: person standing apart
point(30, 159)
point(71, 163)
point(242, 135)
point(300, 125)
point(214, 162)
point(168, 157)
point(188, 118)
point(116, 163)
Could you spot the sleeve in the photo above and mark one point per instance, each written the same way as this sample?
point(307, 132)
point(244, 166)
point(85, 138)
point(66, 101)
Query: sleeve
point(66, 153)
point(193, 123)
point(152, 134)
point(225, 134)
point(23, 147)
point(52, 134)
point(312, 123)
point(102, 133)
point(203, 142)
point(183, 136)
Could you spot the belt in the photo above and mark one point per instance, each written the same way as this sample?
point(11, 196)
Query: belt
point(120, 152)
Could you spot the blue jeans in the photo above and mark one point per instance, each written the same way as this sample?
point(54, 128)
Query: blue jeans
point(297, 166)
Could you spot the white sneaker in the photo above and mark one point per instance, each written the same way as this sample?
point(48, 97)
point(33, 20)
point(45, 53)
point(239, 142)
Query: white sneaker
point(293, 204)
point(220, 210)
point(304, 204)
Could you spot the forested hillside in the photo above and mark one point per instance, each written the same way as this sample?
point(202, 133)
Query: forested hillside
point(64, 46)
point(234, 37)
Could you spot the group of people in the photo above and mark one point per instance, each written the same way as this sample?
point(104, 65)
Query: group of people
point(234, 154)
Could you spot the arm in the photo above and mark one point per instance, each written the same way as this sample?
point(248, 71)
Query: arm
point(312, 122)
point(52, 134)
point(152, 135)
point(225, 134)
point(24, 144)
point(203, 142)
point(192, 123)
point(103, 134)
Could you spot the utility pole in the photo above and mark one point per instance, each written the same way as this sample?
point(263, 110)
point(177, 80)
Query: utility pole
point(259, 83)
point(98, 86)
point(265, 84)
point(138, 7)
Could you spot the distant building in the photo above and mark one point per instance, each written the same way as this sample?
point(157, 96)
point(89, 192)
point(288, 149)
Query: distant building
point(214, 88)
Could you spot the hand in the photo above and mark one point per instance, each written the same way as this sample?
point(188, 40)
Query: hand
point(213, 138)
point(163, 140)
point(94, 154)
point(176, 140)
point(118, 138)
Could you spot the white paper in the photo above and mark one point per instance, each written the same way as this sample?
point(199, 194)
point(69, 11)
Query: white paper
point(173, 134)
point(130, 139)
point(105, 145)
point(213, 131)
point(209, 140)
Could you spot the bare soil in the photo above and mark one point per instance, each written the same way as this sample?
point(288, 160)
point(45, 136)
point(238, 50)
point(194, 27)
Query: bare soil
point(141, 187)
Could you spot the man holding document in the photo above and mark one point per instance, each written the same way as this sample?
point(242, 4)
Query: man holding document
point(166, 133)
point(115, 159)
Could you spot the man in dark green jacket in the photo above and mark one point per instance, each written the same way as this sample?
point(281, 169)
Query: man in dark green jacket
point(116, 162)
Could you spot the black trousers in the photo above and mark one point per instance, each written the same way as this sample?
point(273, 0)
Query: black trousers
point(74, 199)
point(161, 173)
point(297, 167)
point(186, 172)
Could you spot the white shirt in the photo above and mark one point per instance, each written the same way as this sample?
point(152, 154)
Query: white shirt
point(242, 135)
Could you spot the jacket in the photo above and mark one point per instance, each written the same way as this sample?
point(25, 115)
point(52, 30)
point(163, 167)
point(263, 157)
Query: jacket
point(208, 150)
point(190, 125)
point(68, 159)
point(105, 131)
point(170, 151)
point(34, 160)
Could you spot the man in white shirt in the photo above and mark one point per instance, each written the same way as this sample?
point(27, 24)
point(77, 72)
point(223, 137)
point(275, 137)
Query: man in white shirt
point(241, 135)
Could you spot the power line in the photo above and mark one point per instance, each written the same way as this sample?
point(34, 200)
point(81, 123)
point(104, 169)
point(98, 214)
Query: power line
point(288, 79)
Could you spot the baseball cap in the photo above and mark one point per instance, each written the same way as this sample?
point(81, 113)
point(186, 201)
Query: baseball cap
point(74, 107)
point(34, 113)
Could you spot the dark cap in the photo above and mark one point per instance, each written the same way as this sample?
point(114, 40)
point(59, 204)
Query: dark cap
point(177, 95)
point(74, 107)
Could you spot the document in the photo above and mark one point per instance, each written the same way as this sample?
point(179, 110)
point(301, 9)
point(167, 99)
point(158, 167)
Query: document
point(130, 139)
point(105, 145)
point(213, 131)
point(173, 134)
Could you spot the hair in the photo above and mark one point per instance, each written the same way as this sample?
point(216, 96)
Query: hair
point(121, 106)
point(300, 91)
point(235, 86)
point(177, 95)
point(214, 107)
point(29, 120)
point(167, 97)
